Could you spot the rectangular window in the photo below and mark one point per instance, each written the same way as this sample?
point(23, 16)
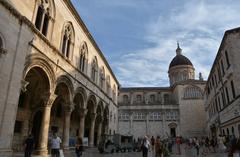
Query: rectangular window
point(223, 72)
point(215, 80)
point(219, 74)
point(216, 104)
point(227, 59)
point(219, 103)
point(233, 90)
point(228, 100)
point(18, 126)
point(223, 98)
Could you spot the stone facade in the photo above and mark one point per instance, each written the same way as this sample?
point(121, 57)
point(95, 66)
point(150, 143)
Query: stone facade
point(165, 111)
point(53, 77)
point(222, 92)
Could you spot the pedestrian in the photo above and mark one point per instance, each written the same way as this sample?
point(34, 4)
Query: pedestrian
point(55, 145)
point(206, 146)
point(152, 143)
point(145, 146)
point(197, 145)
point(79, 147)
point(221, 147)
point(158, 147)
point(234, 150)
point(178, 142)
point(29, 145)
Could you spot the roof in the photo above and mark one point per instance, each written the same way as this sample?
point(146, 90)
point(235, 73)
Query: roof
point(180, 60)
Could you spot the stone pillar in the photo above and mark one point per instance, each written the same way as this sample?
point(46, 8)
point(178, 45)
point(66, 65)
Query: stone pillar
point(147, 124)
point(131, 98)
point(99, 130)
point(91, 131)
point(83, 113)
point(66, 126)
point(163, 122)
point(43, 137)
point(131, 123)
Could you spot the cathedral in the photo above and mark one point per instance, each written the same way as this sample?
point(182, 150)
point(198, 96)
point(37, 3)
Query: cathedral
point(172, 111)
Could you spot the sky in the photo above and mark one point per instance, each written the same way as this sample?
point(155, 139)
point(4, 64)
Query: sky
point(139, 37)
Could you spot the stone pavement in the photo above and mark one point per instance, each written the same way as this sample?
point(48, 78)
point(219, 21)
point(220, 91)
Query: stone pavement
point(94, 153)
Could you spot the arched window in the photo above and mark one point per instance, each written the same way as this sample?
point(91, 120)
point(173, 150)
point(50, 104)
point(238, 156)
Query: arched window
point(139, 98)
point(67, 40)
point(44, 15)
point(114, 93)
point(166, 98)
point(193, 92)
point(94, 70)
point(102, 78)
point(108, 85)
point(125, 98)
point(152, 98)
point(83, 57)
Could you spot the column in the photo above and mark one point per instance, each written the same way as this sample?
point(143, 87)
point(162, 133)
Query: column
point(66, 126)
point(43, 137)
point(91, 131)
point(99, 130)
point(83, 113)
point(147, 124)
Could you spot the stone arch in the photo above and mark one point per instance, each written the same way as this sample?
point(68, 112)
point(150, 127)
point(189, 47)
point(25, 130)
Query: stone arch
point(67, 81)
point(38, 89)
point(41, 62)
point(93, 102)
point(82, 94)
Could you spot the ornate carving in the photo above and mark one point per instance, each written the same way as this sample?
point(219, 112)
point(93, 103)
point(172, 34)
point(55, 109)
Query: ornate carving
point(24, 85)
point(48, 98)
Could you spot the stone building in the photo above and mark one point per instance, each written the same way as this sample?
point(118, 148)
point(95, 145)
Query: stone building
point(165, 111)
point(53, 77)
point(222, 92)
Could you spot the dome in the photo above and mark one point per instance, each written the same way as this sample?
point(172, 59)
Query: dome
point(180, 60)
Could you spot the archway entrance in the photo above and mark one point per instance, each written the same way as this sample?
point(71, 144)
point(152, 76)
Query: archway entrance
point(31, 101)
point(172, 127)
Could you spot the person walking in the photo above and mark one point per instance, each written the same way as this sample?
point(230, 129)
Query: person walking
point(178, 142)
point(158, 147)
point(221, 147)
point(29, 145)
point(152, 142)
point(197, 145)
point(55, 145)
point(145, 146)
point(79, 147)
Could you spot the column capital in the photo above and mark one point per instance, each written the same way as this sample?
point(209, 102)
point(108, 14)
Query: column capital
point(83, 112)
point(93, 116)
point(68, 108)
point(48, 99)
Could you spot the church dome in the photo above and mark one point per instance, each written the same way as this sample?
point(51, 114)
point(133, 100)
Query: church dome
point(180, 60)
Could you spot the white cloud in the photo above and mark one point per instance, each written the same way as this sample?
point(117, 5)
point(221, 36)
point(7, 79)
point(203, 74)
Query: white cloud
point(198, 25)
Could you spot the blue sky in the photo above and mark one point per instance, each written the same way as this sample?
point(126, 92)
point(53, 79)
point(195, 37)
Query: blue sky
point(138, 37)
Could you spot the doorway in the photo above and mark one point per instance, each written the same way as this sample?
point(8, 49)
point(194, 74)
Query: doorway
point(173, 132)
